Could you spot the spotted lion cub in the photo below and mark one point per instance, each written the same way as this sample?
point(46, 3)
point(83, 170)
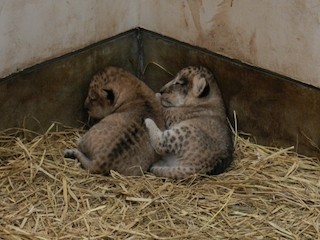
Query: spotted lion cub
point(119, 141)
point(197, 139)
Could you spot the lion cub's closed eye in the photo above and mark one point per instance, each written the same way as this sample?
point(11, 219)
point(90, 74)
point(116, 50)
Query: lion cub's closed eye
point(119, 141)
point(197, 139)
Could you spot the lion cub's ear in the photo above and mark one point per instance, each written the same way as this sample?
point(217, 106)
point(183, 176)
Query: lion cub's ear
point(109, 95)
point(200, 87)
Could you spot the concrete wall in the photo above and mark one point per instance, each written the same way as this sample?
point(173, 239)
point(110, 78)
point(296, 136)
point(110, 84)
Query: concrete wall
point(281, 36)
point(33, 31)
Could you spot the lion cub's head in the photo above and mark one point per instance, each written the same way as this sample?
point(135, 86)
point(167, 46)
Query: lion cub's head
point(109, 91)
point(190, 87)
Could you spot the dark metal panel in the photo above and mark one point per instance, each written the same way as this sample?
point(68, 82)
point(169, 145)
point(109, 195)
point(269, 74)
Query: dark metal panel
point(55, 90)
point(276, 110)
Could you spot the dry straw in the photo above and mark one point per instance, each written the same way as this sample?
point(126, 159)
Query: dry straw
point(268, 193)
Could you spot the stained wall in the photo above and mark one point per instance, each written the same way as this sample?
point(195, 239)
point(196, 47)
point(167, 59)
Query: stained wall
point(33, 31)
point(280, 36)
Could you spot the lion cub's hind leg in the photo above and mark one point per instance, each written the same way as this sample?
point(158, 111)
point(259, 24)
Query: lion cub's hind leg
point(83, 159)
point(170, 167)
point(175, 172)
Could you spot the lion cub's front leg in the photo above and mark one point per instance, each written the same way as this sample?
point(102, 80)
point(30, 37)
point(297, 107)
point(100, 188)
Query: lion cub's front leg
point(168, 144)
point(156, 137)
point(163, 144)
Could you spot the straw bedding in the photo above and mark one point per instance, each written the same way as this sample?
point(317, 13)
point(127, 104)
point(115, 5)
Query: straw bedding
point(268, 193)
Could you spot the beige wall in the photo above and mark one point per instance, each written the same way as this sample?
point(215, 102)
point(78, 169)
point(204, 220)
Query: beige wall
point(281, 36)
point(32, 31)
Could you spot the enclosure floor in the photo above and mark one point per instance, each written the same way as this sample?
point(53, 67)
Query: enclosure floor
point(268, 193)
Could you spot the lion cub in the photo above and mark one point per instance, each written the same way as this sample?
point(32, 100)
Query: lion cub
point(119, 141)
point(198, 139)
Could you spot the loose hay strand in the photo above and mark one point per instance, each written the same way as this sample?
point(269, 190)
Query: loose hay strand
point(268, 193)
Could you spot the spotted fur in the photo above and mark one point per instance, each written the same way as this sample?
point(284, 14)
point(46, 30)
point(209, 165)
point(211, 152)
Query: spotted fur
point(119, 141)
point(197, 138)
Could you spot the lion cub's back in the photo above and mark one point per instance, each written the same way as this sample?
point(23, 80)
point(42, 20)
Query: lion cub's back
point(119, 142)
